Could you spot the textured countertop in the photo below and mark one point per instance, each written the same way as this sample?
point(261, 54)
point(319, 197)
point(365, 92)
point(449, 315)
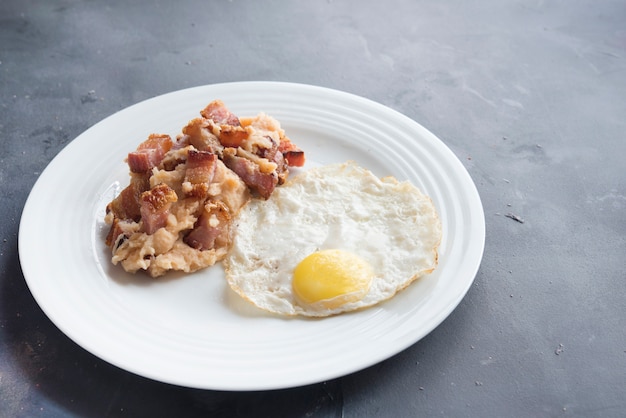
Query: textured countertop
point(529, 95)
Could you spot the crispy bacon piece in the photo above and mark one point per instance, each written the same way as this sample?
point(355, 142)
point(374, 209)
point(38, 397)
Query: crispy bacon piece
point(149, 153)
point(219, 113)
point(197, 133)
point(126, 204)
point(211, 226)
point(274, 155)
point(230, 132)
point(232, 136)
point(294, 156)
point(155, 205)
point(262, 183)
point(163, 142)
point(200, 171)
point(142, 161)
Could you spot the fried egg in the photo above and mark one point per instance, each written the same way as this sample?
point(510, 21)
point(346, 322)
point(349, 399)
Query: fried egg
point(333, 239)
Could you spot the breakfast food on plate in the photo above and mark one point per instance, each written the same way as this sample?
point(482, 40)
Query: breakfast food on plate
point(332, 239)
point(177, 211)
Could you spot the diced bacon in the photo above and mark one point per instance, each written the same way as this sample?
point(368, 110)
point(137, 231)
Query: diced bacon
point(200, 166)
point(262, 183)
point(200, 171)
point(226, 126)
point(199, 135)
point(149, 153)
point(232, 136)
point(272, 155)
point(161, 142)
point(294, 156)
point(219, 113)
point(126, 204)
point(142, 161)
point(211, 226)
point(155, 204)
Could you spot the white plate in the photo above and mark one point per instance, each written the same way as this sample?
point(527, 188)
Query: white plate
point(193, 330)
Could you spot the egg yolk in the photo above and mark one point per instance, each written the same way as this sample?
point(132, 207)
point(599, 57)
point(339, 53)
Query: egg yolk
point(331, 278)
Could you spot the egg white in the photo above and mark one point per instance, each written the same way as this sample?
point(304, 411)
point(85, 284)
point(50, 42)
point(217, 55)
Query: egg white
point(391, 224)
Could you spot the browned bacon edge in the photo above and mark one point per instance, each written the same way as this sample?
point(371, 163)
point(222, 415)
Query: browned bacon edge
point(294, 156)
point(219, 113)
point(155, 205)
point(126, 204)
point(261, 183)
point(149, 153)
point(201, 167)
